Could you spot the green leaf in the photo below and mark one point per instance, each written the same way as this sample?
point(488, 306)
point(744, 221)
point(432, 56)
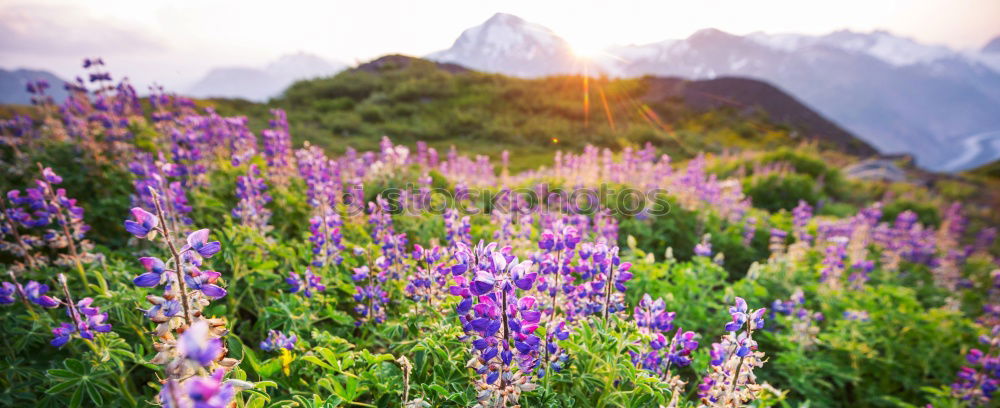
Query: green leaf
point(77, 398)
point(269, 367)
point(315, 360)
point(61, 373)
point(75, 366)
point(60, 387)
point(94, 394)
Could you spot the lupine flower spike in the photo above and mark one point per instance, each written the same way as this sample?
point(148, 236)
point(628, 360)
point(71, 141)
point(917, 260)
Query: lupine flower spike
point(730, 381)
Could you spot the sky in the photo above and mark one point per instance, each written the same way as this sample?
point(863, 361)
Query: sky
point(175, 42)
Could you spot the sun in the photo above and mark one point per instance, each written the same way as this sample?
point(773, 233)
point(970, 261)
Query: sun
point(586, 50)
point(587, 46)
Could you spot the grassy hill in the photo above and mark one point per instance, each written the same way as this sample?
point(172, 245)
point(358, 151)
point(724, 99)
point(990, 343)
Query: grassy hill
point(412, 99)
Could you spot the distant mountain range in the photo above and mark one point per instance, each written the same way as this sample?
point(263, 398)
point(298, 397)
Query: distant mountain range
point(13, 85)
point(259, 84)
point(893, 92)
point(255, 84)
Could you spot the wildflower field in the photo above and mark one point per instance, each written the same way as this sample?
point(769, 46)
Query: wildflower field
point(157, 252)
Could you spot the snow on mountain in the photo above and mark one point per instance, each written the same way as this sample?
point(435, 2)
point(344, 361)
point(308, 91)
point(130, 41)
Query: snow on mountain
point(892, 49)
point(507, 44)
point(896, 93)
point(259, 84)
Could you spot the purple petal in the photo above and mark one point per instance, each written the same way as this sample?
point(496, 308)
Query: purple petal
point(147, 280)
point(153, 264)
point(59, 341)
point(210, 249)
point(198, 238)
point(481, 323)
point(213, 291)
point(136, 229)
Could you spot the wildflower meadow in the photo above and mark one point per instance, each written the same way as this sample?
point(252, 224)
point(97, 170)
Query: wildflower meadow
point(158, 252)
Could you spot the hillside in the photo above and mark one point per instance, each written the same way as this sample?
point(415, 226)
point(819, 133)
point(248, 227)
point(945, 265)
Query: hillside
point(411, 98)
point(13, 82)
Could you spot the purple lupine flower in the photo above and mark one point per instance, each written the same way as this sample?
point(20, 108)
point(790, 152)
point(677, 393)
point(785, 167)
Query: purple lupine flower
point(36, 294)
point(326, 238)
point(278, 148)
point(198, 242)
point(62, 334)
point(155, 269)
point(662, 354)
point(145, 222)
point(93, 319)
point(307, 284)
point(749, 230)
point(457, 229)
point(801, 215)
point(833, 263)
point(604, 292)
point(210, 392)
point(204, 281)
point(730, 381)
point(277, 340)
point(393, 244)
point(861, 269)
point(197, 345)
point(500, 325)
point(7, 292)
point(803, 322)
point(371, 297)
point(977, 382)
point(857, 315)
point(251, 190)
point(652, 316)
point(86, 319)
point(704, 248)
point(430, 279)
point(162, 308)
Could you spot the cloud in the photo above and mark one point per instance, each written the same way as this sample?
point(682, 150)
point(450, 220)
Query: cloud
point(69, 30)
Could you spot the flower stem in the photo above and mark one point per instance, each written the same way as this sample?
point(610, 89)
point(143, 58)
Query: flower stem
point(178, 265)
point(610, 289)
point(51, 196)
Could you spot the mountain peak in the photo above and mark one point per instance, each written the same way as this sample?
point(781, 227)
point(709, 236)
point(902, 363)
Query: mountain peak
point(707, 33)
point(504, 18)
point(993, 46)
point(509, 44)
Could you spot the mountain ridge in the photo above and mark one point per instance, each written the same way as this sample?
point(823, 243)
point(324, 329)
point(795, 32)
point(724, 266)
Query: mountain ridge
point(259, 84)
point(13, 83)
point(897, 94)
point(401, 95)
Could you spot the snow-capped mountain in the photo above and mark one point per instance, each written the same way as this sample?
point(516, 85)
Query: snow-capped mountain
point(898, 94)
point(879, 44)
point(509, 45)
point(259, 84)
point(13, 85)
point(895, 93)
